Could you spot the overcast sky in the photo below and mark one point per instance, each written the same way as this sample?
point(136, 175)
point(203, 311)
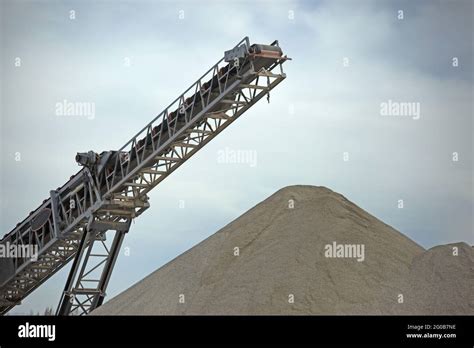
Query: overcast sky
point(131, 59)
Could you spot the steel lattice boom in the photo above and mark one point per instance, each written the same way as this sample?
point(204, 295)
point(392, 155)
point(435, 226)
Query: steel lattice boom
point(111, 188)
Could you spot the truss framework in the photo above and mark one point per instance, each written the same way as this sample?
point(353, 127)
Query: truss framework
point(90, 203)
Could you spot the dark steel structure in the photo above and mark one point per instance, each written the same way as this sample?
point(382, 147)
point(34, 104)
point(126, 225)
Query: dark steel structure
point(111, 189)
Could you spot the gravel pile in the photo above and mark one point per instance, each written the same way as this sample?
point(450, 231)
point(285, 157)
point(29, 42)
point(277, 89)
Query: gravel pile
point(306, 250)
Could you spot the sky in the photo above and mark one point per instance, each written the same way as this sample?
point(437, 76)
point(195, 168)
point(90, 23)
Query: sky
point(333, 122)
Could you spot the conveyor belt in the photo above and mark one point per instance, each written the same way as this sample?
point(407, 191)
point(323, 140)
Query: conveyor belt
point(111, 188)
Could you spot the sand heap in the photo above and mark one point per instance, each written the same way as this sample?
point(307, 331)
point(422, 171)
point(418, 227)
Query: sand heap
point(277, 259)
